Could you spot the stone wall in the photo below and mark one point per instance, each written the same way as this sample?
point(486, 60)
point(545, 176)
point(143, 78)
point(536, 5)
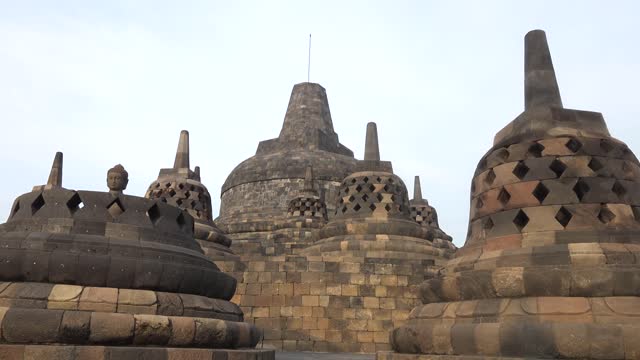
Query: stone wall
point(342, 301)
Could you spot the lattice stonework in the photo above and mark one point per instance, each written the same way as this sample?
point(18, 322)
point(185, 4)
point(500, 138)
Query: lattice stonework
point(309, 207)
point(361, 195)
point(424, 215)
point(554, 184)
point(190, 197)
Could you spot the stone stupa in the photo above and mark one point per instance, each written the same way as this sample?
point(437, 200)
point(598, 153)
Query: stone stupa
point(551, 264)
point(372, 233)
point(182, 187)
point(104, 275)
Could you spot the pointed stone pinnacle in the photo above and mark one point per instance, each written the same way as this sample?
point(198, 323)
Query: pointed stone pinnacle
point(308, 179)
point(55, 176)
point(417, 189)
point(371, 149)
point(182, 155)
point(540, 84)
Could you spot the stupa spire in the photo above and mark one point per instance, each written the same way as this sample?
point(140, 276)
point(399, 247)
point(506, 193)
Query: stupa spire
point(417, 189)
point(371, 148)
point(55, 176)
point(182, 154)
point(540, 84)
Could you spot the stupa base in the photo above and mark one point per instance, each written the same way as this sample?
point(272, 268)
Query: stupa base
point(72, 352)
point(388, 355)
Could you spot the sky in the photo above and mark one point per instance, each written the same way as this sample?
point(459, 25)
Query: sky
point(110, 82)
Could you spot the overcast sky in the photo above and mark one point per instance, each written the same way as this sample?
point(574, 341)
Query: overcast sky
point(115, 81)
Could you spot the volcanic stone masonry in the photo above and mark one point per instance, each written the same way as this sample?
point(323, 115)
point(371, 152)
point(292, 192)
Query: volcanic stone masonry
point(330, 257)
point(551, 264)
point(103, 275)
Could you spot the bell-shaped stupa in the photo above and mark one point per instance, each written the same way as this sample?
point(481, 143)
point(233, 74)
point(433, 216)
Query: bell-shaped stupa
point(425, 214)
point(256, 195)
point(380, 250)
point(181, 187)
point(104, 275)
point(551, 264)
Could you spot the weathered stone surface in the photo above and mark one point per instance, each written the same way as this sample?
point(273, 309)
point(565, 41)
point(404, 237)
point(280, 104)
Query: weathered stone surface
point(111, 328)
point(31, 325)
point(75, 327)
point(545, 271)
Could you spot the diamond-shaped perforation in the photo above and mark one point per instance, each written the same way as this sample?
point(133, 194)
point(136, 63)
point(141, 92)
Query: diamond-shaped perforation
point(75, 203)
point(488, 224)
point(387, 207)
point(182, 222)
point(115, 208)
point(379, 197)
point(563, 216)
point(521, 220)
point(581, 189)
point(351, 198)
point(365, 197)
point(181, 186)
point(619, 190)
point(372, 188)
point(365, 179)
point(595, 164)
point(520, 170)
point(540, 192)
point(167, 185)
point(37, 204)
point(558, 167)
point(154, 213)
point(358, 188)
point(606, 145)
point(573, 145)
point(490, 177)
point(535, 150)
point(357, 207)
point(372, 207)
point(605, 215)
point(179, 202)
point(172, 193)
point(504, 196)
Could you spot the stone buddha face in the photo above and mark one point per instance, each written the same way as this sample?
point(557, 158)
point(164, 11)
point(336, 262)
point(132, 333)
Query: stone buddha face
point(117, 178)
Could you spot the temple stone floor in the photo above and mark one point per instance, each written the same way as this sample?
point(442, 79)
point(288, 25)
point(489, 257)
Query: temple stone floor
point(285, 355)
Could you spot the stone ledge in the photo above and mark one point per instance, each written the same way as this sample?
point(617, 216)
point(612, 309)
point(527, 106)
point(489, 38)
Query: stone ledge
point(60, 352)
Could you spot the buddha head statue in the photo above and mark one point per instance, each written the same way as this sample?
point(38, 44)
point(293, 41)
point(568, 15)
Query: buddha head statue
point(117, 178)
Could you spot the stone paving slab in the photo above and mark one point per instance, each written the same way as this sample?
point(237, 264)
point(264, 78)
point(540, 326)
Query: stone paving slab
point(284, 355)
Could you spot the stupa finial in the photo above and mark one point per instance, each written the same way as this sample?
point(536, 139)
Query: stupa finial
point(371, 148)
point(540, 84)
point(417, 189)
point(182, 154)
point(55, 176)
